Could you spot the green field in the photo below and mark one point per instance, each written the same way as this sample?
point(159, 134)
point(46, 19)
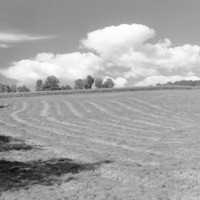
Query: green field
point(141, 145)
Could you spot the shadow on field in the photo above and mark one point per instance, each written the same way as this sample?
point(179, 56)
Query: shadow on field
point(17, 175)
point(4, 106)
point(9, 144)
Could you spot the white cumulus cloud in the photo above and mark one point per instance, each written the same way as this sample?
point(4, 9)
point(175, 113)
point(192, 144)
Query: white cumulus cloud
point(66, 67)
point(115, 40)
point(124, 51)
point(120, 82)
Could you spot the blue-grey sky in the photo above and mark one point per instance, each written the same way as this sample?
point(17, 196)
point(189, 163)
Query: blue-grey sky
point(29, 28)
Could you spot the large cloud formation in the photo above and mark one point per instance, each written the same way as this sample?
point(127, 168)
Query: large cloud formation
point(124, 52)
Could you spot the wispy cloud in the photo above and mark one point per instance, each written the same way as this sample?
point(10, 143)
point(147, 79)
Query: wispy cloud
point(6, 37)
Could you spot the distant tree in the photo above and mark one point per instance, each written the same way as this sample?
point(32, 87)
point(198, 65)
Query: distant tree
point(98, 82)
point(39, 85)
point(13, 88)
point(66, 87)
point(158, 84)
point(88, 82)
point(183, 83)
point(2, 88)
point(23, 89)
point(51, 83)
point(79, 84)
point(169, 83)
point(6, 88)
point(108, 83)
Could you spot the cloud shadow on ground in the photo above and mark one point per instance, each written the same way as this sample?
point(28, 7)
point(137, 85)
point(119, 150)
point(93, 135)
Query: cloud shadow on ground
point(15, 175)
point(7, 143)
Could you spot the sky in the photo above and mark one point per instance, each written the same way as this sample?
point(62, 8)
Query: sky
point(134, 42)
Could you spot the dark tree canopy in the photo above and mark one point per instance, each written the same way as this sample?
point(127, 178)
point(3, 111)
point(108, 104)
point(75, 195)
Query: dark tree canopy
point(66, 87)
point(108, 83)
point(23, 89)
point(13, 88)
point(1, 88)
point(88, 82)
point(98, 82)
point(6, 88)
point(79, 84)
point(51, 83)
point(39, 85)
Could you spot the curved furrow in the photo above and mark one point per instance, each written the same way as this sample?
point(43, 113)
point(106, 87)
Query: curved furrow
point(57, 131)
point(14, 106)
point(96, 140)
point(137, 123)
point(138, 114)
point(90, 121)
point(103, 132)
point(73, 110)
point(151, 106)
point(98, 151)
point(120, 129)
point(45, 111)
point(136, 110)
point(15, 116)
point(89, 139)
point(86, 110)
point(49, 143)
point(98, 117)
point(162, 111)
point(72, 125)
point(94, 123)
point(27, 123)
point(169, 120)
point(58, 110)
point(7, 123)
point(112, 129)
point(82, 134)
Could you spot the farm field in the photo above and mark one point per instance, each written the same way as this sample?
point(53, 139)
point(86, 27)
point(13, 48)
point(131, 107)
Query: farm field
point(140, 145)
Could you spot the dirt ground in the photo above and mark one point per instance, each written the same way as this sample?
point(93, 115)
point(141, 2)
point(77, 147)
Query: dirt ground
point(140, 145)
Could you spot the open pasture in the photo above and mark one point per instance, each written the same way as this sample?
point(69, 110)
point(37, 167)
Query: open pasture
point(141, 145)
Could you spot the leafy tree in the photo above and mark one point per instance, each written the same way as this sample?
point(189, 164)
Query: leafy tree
point(23, 89)
point(66, 87)
point(13, 88)
point(6, 88)
point(88, 82)
point(39, 85)
point(99, 82)
point(108, 83)
point(79, 84)
point(51, 83)
point(1, 88)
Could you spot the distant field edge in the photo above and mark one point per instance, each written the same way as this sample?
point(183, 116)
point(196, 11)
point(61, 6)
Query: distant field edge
point(92, 91)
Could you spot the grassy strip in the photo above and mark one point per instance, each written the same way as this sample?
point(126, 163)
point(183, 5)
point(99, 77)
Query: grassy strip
point(91, 91)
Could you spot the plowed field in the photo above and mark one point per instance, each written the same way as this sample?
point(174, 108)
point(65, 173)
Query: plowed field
point(142, 145)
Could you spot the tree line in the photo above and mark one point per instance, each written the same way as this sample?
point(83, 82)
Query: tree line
point(194, 83)
point(5, 88)
point(52, 83)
